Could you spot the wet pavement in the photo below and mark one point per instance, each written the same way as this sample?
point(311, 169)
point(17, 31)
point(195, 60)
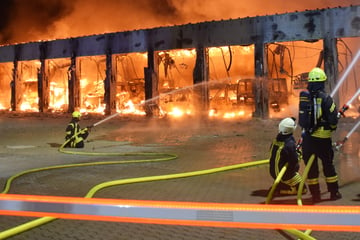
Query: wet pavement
point(200, 144)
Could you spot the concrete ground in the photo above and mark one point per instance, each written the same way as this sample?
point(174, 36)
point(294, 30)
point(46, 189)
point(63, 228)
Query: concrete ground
point(31, 141)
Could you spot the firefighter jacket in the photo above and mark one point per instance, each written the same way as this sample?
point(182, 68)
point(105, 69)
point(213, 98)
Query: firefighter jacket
point(75, 134)
point(326, 114)
point(283, 151)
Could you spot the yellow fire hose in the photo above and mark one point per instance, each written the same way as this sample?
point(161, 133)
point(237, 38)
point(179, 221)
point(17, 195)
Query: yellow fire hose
point(303, 235)
point(304, 177)
point(276, 182)
point(165, 156)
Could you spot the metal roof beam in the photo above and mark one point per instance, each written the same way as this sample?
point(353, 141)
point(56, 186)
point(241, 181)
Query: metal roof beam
point(339, 22)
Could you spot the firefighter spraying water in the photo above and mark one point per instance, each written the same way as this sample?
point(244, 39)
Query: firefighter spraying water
point(304, 105)
point(318, 118)
point(75, 136)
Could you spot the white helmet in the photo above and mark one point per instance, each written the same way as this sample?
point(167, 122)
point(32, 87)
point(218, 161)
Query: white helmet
point(287, 126)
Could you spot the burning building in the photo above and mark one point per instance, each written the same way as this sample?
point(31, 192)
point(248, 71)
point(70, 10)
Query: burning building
point(230, 68)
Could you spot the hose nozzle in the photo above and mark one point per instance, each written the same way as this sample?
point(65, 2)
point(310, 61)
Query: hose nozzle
point(341, 112)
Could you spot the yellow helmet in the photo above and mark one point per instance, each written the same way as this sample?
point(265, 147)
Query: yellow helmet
point(76, 114)
point(317, 75)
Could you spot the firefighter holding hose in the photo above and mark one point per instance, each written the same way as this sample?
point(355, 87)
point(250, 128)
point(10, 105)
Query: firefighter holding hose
point(318, 116)
point(283, 152)
point(74, 134)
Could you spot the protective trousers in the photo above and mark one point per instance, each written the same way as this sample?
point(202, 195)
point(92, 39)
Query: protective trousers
point(322, 148)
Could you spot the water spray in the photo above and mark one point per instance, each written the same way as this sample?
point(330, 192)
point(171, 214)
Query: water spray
point(190, 87)
point(345, 106)
point(105, 119)
point(346, 73)
point(341, 112)
point(339, 144)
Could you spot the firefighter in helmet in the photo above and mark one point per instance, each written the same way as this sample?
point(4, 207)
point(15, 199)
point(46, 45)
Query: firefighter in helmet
point(282, 152)
point(75, 136)
point(318, 141)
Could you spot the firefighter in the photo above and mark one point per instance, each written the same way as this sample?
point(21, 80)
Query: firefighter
point(75, 133)
point(318, 141)
point(283, 151)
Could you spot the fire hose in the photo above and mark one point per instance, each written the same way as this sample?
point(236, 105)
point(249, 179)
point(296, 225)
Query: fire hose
point(165, 156)
point(341, 113)
point(35, 223)
point(346, 106)
point(337, 86)
point(339, 144)
point(43, 220)
point(303, 235)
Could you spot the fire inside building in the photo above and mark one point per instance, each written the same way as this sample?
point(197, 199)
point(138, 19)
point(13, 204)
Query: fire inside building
point(245, 67)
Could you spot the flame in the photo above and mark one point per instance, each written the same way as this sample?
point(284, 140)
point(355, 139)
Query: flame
point(176, 84)
point(177, 112)
point(131, 108)
point(83, 83)
point(57, 97)
point(229, 115)
point(27, 106)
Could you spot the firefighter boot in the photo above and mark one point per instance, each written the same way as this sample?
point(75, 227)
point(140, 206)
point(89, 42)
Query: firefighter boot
point(335, 196)
point(284, 189)
point(315, 192)
point(289, 191)
point(333, 188)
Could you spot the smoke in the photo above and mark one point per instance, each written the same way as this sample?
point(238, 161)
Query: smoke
point(24, 20)
point(5, 10)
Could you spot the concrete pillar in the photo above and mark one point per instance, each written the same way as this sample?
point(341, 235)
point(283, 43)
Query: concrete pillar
point(110, 85)
point(331, 65)
point(151, 73)
point(200, 80)
point(14, 85)
point(43, 83)
point(261, 84)
point(74, 85)
point(15, 82)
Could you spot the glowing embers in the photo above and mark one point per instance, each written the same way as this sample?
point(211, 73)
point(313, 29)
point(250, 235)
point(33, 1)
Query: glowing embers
point(26, 86)
point(58, 76)
point(129, 87)
point(130, 83)
point(176, 82)
point(91, 72)
point(58, 97)
point(231, 80)
point(229, 95)
point(5, 85)
point(131, 108)
point(29, 100)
